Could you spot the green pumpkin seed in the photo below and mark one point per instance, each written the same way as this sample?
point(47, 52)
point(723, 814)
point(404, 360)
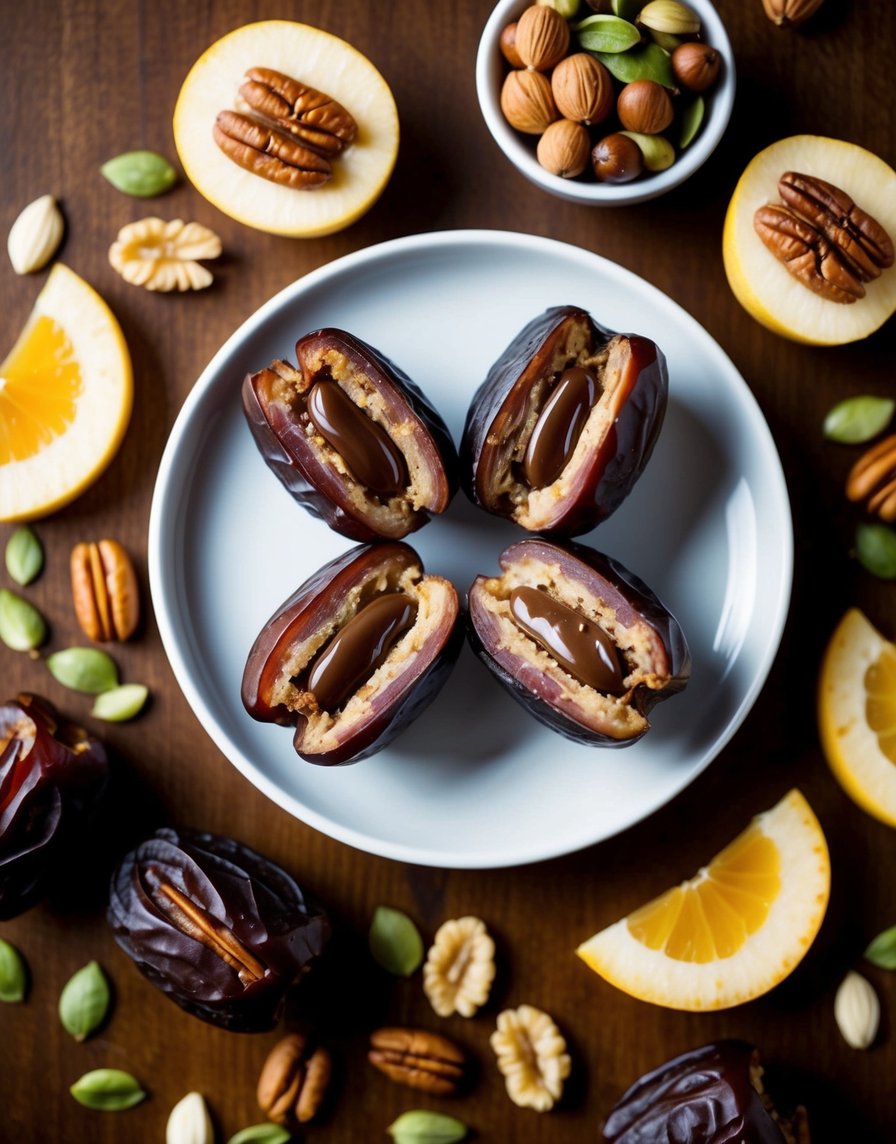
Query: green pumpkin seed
point(691, 121)
point(141, 173)
point(84, 1002)
point(646, 62)
point(601, 33)
point(419, 1126)
point(13, 973)
point(665, 40)
point(261, 1134)
point(882, 950)
point(24, 556)
point(108, 1090)
point(84, 669)
point(120, 703)
point(22, 627)
point(858, 419)
point(566, 8)
point(876, 550)
point(658, 152)
point(395, 942)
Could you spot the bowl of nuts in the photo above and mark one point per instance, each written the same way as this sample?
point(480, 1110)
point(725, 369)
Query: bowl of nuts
point(606, 102)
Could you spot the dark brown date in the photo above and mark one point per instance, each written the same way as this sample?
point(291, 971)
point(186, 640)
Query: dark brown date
point(355, 654)
point(52, 775)
point(352, 438)
point(564, 424)
point(706, 1096)
point(578, 640)
point(220, 929)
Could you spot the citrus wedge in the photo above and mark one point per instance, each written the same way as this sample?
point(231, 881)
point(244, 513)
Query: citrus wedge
point(736, 929)
point(65, 398)
point(314, 58)
point(763, 285)
point(857, 714)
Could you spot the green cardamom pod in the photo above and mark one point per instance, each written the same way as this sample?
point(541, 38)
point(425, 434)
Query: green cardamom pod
point(24, 556)
point(691, 121)
point(603, 33)
point(120, 703)
point(261, 1134)
point(84, 669)
point(648, 61)
point(13, 973)
point(22, 627)
point(144, 174)
point(84, 1002)
point(858, 419)
point(876, 550)
point(419, 1126)
point(882, 950)
point(108, 1090)
point(395, 942)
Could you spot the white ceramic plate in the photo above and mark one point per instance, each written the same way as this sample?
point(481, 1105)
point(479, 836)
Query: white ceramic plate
point(475, 782)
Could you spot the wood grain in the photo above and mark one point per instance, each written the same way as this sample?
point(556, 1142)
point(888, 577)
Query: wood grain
point(86, 79)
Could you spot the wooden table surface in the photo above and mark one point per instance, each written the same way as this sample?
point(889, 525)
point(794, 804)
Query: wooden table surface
point(86, 79)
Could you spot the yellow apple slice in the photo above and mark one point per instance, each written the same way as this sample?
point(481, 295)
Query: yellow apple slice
point(322, 61)
point(762, 284)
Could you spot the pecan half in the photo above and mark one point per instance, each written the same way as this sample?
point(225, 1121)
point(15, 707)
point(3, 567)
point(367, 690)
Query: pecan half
point(104, 590)
point(269, 152)
point(310, 115)
point(860, 239)
point(294, 1080)
point(874, 476)
point(807, 254)
point(418, 1059)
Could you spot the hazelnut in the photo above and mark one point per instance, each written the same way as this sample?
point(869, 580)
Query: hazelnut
point(542, 37)
point(616, 159)
point(564, 148)
point(527, 102)
point(507, 44)
point(582, 88)
point(645, 106)
point(696, 66)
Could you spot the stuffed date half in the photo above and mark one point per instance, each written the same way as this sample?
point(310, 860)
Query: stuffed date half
point(355, 654)
point(216, 926)
point(564, 423)
point(351, 437)
point(578, 640)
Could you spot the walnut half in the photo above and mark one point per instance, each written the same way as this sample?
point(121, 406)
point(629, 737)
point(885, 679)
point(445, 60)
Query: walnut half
point(460, 967)
point(163, 255)
point(532, 1056)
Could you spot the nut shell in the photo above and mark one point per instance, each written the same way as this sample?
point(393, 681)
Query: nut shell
point(582, 89)
point(507, 44)
point(696, 66)
point(527, 102)
point(616, 159)
point(645, 106)
point(564, 148)
point(542, 37)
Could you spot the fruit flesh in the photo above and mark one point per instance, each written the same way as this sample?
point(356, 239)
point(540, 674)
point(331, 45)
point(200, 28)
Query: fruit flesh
point(763, 286)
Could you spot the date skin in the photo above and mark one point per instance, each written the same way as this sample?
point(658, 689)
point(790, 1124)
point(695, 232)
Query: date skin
point(312, 607)
point(701, 1097)
point(237, 889)
point(597, 487)
point(278, 428)
point(52, 776)
point(634, 605)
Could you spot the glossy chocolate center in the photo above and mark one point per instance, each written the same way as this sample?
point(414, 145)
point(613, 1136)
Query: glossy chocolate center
point(559, 426)
point(367, 449)
point(579, 645)
point(357, 650)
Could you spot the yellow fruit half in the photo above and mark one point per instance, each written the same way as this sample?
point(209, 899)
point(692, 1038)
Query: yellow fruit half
point(762, 284)
point(65, 398)
point(736, 929)
point(321, 61)
point(857, 714)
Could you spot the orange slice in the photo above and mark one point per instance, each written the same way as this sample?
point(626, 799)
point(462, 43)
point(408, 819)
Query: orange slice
point(857, 714)
point(736, 929)
point(65, 398)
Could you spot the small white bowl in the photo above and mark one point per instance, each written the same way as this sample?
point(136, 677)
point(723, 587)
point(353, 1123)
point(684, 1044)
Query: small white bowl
point(491, 68)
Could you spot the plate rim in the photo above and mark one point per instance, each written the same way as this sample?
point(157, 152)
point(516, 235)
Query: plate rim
point(163, 491)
